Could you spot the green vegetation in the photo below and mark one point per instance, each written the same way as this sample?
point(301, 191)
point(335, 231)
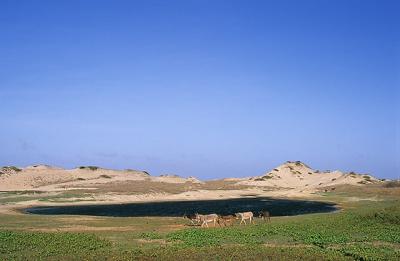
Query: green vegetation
point(263, 178)
point(67, 196)
point(363, 230)
point(392, 184)
point(21, 245)
point(367, 178)
point(89, 167)
point(77, 246)
point(324, 231)
point(11, 168)
point(150, 235)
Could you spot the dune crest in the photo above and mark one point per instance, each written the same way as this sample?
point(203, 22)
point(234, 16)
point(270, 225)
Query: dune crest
point(296, 174)
point(290, 175)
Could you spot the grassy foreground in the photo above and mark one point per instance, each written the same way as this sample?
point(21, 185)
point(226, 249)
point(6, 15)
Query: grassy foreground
point(364, 230)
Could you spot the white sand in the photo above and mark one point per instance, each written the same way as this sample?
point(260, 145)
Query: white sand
point(292, 179)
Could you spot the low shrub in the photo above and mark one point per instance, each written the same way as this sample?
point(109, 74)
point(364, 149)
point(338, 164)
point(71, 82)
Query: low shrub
point(390, 215)
point(367, 178)
point(150, 235)
point(392, 184)
point(89, 167)
point(40, 245)
point(298, 163)
point(263, 178)
point(12, 168)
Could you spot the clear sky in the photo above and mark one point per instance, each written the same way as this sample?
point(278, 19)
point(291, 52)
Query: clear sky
point(205, 88)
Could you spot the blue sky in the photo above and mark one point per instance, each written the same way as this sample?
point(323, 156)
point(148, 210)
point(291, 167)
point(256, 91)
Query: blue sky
point(205, 88)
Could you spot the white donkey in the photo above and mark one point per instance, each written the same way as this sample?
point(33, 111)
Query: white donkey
point(205, 219)
point(243, 216)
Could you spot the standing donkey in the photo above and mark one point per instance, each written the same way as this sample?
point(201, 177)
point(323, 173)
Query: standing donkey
point(243, 216)
point(265, 215)
point(205, 219)
point(226, 220)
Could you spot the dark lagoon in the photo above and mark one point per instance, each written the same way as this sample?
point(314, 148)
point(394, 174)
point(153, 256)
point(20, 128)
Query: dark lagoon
point(277, 207)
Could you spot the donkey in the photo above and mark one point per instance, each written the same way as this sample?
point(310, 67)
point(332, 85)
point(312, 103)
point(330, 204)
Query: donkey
point(205, 219)
point(192, 218)
point(245, 215)
point(265, 215)
point(229, 219)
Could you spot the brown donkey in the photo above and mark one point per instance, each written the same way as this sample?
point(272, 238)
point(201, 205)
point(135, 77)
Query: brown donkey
point(265, 215)
point(226, 220)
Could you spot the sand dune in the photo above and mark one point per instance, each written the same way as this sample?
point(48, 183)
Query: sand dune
point(42, 177)
point(298, 175)
point(295, 176)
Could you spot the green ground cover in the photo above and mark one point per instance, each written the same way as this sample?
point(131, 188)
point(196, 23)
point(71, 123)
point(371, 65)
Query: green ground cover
point(362, 230)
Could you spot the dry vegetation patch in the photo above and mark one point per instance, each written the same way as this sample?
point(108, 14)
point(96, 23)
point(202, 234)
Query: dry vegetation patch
point(142, 187)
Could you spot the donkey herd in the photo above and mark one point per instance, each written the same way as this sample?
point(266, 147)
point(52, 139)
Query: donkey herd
point(203, 220)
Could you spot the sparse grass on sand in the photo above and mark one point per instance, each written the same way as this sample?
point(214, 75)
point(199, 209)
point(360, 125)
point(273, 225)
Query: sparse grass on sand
point(365, 229)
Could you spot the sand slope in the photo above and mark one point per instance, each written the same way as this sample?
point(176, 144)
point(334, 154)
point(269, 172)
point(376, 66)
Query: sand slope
point(298, 175)
point(43, 177)
point(48, 178)
point(289, 176)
